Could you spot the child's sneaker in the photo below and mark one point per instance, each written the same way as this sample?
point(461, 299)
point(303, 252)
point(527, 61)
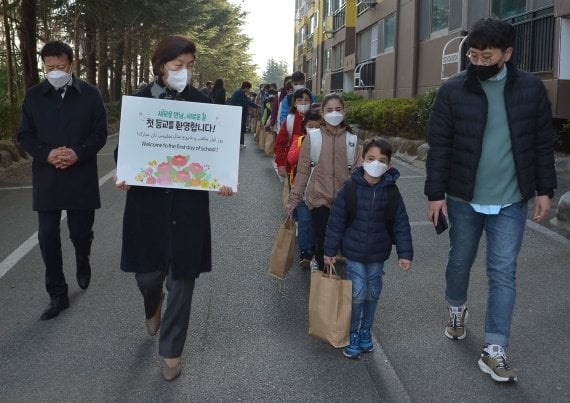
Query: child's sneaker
point(455, 329)
point(353, 350)
point(314, 265)
point(366, 344)
point(494, 362)
point(305, 260)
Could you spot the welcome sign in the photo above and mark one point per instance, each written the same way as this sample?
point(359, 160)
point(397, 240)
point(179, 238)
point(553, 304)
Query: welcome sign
point(176, 144)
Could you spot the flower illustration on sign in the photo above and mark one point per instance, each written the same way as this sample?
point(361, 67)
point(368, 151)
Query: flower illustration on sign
point(178, 170)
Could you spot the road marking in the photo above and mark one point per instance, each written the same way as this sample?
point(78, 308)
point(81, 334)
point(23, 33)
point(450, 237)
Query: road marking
point(32, 241)
point(16, 188)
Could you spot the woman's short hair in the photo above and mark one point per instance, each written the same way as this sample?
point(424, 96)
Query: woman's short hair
point(169, 49)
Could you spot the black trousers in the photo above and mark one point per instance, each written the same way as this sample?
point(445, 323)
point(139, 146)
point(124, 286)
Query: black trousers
point(243, 127)
point(80, 224)
point(174, 325)
point(320, 216)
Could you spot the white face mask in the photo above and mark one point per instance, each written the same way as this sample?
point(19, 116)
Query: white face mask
point(375, 168)
point(58, 78)
point(309, 131)
point(178, 79)
point(298, 87)
point(303, 108)
point(334, 118)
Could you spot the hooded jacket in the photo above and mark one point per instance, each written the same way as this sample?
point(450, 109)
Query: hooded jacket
point(366, 240)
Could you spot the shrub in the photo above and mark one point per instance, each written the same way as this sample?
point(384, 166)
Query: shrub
point(402, 117)
point(351, 96)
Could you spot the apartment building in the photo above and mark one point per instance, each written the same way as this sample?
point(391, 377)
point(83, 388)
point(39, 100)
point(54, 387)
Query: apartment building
point(403, 48)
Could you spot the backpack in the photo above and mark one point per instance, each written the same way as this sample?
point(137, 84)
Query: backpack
point(317, 141)
point(290, 122)
point(393, 199)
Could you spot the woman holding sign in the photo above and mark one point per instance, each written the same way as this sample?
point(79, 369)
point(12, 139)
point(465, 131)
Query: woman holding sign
point(166, 232)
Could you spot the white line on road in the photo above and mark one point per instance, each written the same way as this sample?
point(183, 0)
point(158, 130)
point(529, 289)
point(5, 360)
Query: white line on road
point(32, 241)
point(16, 188)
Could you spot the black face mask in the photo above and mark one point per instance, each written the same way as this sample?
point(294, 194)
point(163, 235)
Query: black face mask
point(486, 72)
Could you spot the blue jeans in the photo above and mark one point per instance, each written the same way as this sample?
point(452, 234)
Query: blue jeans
point(366, 287)
point(504, 238)
point(305, 231)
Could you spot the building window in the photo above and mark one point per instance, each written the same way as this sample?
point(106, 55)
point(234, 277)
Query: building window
point(507, 8)
point(439, 15)
point(364, 45)
point(389, 32)
point(337, 57)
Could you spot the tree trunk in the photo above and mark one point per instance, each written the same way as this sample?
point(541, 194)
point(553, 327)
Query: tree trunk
point(10, 76)
point(103, 72)
point(117, 57)
point(90, 53)
point(128, 65)
point(28, 43)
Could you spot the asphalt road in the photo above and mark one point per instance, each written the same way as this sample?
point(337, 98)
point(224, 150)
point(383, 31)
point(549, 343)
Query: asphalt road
point(248, 336)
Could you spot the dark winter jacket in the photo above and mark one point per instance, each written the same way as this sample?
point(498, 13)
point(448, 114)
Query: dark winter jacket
point(167, 226)
point(78, 121)
point(366, 240)
point(456, 128)
point(218, 95)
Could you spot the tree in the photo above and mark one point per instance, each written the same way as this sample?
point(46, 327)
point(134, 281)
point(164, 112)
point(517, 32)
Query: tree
point(28, 42)
point(274, 72)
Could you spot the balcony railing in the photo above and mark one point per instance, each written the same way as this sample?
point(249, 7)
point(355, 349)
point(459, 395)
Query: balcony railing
point(362, 6)
point(339, 18)
point(337, 81)
point(534, 43)
point(365, 75)
point(310, 43)
point(300, 49)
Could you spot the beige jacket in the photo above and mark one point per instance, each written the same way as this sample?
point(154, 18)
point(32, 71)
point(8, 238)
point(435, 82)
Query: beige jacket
point(320, 188)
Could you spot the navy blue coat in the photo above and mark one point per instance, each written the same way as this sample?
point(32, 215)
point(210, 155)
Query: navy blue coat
point(163, 227)
point(457, 124)
point(78, 121)
point(367, 240)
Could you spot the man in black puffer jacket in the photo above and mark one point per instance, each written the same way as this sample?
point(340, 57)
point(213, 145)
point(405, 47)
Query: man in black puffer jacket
point(491, 150)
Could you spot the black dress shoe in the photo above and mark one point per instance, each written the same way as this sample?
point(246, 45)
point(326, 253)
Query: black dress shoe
point(83, 271)
point(56, 305)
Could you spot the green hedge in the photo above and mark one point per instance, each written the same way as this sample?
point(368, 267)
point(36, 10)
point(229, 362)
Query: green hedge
point(401, 117)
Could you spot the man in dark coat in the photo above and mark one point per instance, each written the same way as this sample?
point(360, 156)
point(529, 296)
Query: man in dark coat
point(63, 126)
point(240, 98)
point(491, 150)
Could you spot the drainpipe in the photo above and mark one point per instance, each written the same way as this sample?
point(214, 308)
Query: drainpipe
point(396, 50)
point(416, 48)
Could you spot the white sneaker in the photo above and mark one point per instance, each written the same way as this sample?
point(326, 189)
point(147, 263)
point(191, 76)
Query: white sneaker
point(314, 266)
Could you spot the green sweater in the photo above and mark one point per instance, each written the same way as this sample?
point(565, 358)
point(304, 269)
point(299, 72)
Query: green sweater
point(496, 180)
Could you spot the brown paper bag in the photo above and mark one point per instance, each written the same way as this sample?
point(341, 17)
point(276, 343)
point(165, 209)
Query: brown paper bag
point(269, 143)
point(261, 133)
point(330, 307)
point(285, 193)
point(256, 133)
point(283, 250)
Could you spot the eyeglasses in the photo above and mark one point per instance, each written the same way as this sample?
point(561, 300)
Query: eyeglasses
point(483, 60)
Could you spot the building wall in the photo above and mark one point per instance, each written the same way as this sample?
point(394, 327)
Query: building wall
point(414, 67)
